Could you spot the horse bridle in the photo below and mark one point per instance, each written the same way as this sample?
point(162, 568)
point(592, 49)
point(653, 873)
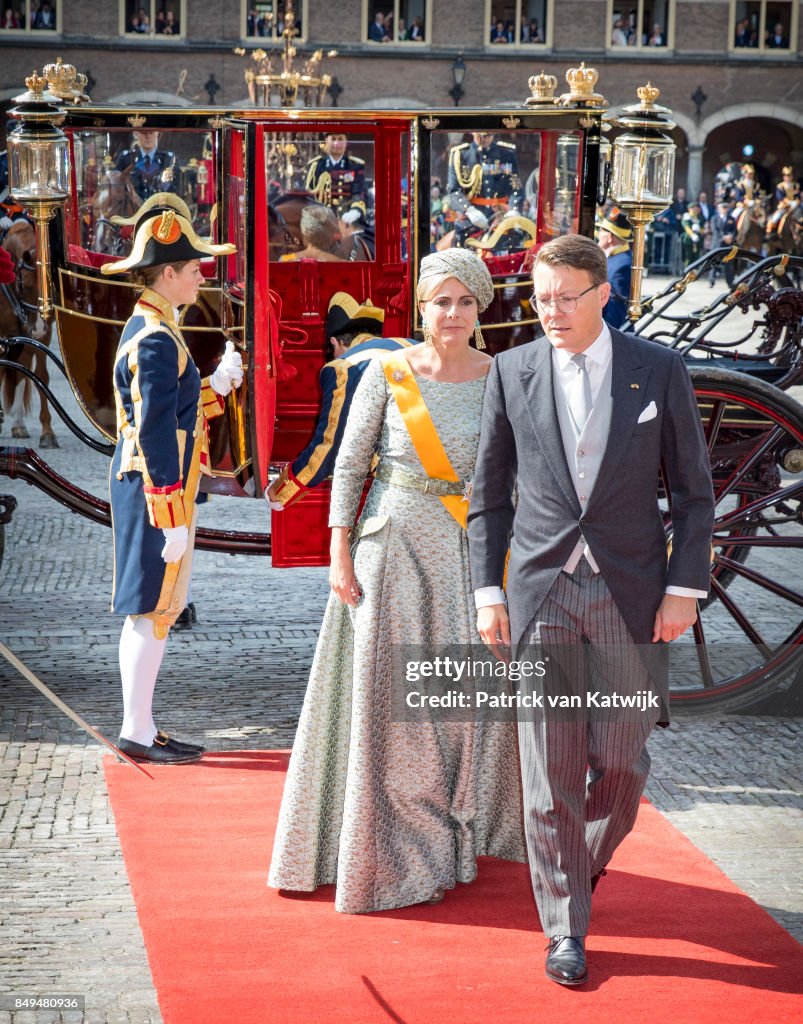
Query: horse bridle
point(16, 297)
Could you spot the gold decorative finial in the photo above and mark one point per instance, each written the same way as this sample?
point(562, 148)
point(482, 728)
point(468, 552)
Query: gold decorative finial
point(430, 122)
point(65, 82)
point(511, 122)
point(36, 83)
point(581, 85)
point(542, 88)
point(136, 120)
point(648, 94)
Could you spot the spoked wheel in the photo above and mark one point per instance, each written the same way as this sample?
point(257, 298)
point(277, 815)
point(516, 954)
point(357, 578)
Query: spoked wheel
point(749, 637)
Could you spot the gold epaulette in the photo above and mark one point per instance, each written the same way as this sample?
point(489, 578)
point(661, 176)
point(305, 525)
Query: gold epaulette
point(166, 506)
point(507, 145)
point(461, 145)
point(356, 159)
point(212, 403)
point(287, 489)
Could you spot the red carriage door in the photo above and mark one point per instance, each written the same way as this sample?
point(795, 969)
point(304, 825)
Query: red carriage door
point(245, 287)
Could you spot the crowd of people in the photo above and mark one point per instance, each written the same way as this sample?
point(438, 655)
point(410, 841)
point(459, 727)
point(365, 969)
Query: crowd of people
point(267, 24)
point(165, 23)
point(504, 30)
point(746, 34)
point(625, 32)
point(382, 30)
point(42, 16)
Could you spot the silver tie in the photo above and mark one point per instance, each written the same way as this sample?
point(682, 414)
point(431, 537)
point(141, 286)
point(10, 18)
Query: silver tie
point(580, 393)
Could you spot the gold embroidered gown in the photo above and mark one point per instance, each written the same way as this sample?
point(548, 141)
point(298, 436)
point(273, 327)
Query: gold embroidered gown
point(390, 810)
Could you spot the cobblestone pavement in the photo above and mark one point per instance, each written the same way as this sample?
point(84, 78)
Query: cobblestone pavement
point(69, 926)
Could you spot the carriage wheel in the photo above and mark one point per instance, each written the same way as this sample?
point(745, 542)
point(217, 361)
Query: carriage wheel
point(749, 637)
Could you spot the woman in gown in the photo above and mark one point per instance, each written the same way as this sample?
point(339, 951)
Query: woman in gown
point(396, 812)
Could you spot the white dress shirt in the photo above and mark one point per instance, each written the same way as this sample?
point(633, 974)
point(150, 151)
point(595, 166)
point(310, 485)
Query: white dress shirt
point(598, 357)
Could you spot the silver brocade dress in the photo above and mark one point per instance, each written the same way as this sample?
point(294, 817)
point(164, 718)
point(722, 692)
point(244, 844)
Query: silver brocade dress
point(392, 811)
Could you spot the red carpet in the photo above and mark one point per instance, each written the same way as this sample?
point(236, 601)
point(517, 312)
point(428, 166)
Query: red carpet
point(673, 941)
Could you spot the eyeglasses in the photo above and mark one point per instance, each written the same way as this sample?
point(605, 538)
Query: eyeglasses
point(563, 303)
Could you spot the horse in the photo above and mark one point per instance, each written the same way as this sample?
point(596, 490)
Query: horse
point(115, 197)
point(19, 316)
point(750, 225)
point(785, 235)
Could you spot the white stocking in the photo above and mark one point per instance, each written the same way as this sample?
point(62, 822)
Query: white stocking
point(140, 657)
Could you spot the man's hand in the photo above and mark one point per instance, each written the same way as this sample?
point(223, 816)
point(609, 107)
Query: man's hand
point(229, 373)
point(477, 218)
point(673, 618)
point(493, 625)
point(270, 497)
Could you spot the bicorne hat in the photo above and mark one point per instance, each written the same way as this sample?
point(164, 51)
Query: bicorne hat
point(166, 238)
point(346, 315)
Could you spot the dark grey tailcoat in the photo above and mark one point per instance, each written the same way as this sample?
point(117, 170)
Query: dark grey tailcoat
point(521, 444)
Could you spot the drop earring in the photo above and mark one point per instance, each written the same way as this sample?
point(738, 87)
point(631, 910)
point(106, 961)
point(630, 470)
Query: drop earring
point(426, 330)
point(479, 341)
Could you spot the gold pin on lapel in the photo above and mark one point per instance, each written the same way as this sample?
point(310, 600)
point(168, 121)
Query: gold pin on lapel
point(634, 386)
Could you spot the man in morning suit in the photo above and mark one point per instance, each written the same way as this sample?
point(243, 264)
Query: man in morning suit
point(579, 422)
point(352, 329)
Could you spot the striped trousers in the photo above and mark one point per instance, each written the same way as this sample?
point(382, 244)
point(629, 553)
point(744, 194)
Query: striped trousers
point(582, 773)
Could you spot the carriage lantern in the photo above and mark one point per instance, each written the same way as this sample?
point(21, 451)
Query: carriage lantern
point(643, 171)
point(39, 170)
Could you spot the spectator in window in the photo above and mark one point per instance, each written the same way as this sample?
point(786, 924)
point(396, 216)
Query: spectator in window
point(171, 25)
point(401, 30)
point(742, 38)
point(159, 23)
point(416, 31)
point(618, 35)
point(389, 34)
point(657, 38)
point(45, 17)
point(778, 41)
point(251, 22)
point(536, 35)
point(10, 19)
point(524, 29)
point(376, 32)
point(498, 33)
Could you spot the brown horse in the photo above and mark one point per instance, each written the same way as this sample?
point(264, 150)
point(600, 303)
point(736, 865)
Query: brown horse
point(115, 197)
point(19, 316)
point(750, 226)
point(786, 234)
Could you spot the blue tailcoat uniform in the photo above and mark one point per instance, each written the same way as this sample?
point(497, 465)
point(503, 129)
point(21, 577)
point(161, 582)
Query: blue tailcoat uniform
point(162, 448)
point(339, 379)
point(620, 267)
point(149, 174)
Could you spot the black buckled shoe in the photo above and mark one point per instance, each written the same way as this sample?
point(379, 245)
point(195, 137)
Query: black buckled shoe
point(159, 752)
point(595, 878)
point(180, 744)
point(566, 960)
point(187, 618)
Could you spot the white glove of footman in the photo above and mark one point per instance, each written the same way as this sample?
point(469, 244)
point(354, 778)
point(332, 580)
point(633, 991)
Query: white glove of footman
point(176, 540)
point(229, 373)
point(477, 217)
point(5, 223)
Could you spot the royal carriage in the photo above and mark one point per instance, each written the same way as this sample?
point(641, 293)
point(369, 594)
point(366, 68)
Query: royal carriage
point(244, 177)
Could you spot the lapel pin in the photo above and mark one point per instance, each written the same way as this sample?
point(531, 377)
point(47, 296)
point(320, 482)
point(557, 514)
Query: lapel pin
point(634, 386)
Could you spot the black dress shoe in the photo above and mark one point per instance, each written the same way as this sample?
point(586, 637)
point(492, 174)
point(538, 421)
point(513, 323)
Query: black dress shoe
point(181, 744)
point(566, 960)
point(186, 618)
point(595, 878)
point(160, 752)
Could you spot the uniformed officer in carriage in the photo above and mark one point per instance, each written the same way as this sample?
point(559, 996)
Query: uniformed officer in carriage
point(152, 169)
point(161, 452)
point(336, 178)
point(483, 177)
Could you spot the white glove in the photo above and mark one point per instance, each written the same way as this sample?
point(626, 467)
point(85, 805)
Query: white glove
point(695, 238)
point(5, 223)
point(477, 217)
point(229, 373)
point(351, 216)
point(176, 539)
point(277, 506)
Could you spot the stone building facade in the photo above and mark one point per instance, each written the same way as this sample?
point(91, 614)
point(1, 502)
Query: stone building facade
point(729, 69)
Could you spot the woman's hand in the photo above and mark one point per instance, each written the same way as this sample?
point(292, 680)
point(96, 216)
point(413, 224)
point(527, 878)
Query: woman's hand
point(341, 570)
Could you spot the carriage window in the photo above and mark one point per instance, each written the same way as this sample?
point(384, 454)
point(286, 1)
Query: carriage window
point(484, 190)
point(320, 196)
point(30, 16)
point(117, 171)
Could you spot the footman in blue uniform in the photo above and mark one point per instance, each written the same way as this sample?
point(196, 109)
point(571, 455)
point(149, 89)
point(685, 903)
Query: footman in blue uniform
point(162, 450)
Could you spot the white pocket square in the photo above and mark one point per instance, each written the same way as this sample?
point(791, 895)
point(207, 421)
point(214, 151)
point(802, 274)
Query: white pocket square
point(648, 414)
